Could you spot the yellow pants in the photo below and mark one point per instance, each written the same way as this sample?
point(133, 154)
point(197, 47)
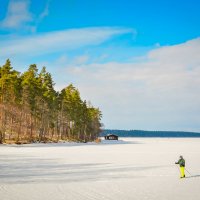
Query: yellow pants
point(182, 170)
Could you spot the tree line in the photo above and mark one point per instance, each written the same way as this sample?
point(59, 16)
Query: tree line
point(31, 110)
point(143, 133)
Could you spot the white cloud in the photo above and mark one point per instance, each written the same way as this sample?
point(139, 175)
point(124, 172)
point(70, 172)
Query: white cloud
point(79, 60)
point(45, 12)
point(181, 53)
point(52, 42)
point(162, 92)
point(17, 15)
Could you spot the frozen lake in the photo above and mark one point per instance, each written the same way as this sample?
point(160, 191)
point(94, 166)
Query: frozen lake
point(135, 168)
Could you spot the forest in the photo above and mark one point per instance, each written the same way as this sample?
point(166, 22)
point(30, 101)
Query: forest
point(31, 110)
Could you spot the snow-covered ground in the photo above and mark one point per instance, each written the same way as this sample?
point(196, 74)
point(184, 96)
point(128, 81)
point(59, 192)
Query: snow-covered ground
point(132, 169)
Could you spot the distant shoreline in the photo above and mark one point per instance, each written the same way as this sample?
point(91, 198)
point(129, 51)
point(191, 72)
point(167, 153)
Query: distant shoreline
point(142, 133)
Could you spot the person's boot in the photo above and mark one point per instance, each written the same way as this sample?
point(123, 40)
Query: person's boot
point(182, 176)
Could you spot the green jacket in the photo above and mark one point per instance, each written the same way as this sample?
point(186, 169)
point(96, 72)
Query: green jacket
point(181, 162)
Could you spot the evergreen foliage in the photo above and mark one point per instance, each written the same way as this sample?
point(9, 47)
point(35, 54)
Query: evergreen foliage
point(31, 110)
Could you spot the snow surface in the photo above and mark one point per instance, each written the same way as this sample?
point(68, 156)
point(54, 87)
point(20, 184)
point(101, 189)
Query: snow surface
point(130, 169)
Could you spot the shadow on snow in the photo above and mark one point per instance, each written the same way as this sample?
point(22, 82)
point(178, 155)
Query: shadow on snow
point(33, 170)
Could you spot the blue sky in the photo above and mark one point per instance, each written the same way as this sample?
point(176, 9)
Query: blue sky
point(165, 22)
point(137, 60)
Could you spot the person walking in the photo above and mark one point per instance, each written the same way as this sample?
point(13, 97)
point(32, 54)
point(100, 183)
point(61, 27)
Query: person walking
point(181, 163)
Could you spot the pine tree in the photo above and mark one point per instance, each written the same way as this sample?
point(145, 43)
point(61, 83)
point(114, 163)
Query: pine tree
point(9, 96)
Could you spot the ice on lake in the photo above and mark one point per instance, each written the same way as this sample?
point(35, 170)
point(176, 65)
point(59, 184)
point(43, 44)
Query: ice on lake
point(131, 168)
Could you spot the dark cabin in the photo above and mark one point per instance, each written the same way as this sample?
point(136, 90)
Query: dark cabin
point(111, 137)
